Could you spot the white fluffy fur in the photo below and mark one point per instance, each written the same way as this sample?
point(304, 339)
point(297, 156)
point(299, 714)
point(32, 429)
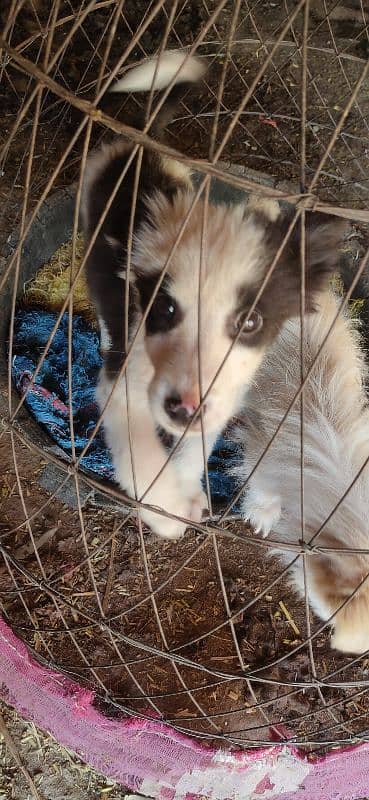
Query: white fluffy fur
point(172, 65)
point(336, 435)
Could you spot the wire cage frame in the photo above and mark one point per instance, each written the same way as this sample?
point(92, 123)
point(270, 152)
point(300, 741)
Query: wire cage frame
point(203, 638)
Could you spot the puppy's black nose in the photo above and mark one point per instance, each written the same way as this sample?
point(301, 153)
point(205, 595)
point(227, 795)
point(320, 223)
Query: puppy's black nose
point(175, 410)
point(180, 410)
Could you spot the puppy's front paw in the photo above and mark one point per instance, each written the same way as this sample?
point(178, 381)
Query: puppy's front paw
point(166, 495)
point(262, 511)
point(168, 528)
point(198, 504)
point(163, 526)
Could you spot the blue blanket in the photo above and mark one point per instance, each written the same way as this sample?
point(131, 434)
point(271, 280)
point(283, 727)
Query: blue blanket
point(48, 398)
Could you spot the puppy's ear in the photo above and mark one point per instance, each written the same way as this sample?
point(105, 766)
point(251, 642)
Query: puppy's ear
point(323, 235)
point(111, 184)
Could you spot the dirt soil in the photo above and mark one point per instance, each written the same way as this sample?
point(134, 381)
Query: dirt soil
point(164, 595)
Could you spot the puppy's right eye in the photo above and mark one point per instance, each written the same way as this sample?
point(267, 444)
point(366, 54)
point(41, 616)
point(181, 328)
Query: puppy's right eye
point(164, 314)
point(247, 323)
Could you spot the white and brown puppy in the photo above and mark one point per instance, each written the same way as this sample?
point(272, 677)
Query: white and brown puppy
point(336, 446)
point(162, 375)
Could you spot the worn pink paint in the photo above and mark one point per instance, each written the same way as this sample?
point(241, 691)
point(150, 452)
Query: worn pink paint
point(140, 753)
point(264, 785)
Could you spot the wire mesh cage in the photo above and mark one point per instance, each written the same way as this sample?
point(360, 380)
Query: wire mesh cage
point(206, 634)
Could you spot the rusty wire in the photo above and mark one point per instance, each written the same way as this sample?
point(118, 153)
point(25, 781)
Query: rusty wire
point(311, 128)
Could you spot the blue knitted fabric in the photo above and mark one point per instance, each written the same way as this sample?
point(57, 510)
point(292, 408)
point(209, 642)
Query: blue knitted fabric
point(48, 398)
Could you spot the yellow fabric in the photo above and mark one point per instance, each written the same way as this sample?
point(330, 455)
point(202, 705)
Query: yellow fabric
point(50, 286)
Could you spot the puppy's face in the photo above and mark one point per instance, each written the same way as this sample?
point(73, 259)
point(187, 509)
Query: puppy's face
point(199, 310)
point(201, 339)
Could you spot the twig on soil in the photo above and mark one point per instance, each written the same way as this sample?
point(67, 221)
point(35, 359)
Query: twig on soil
point(289, 618)
point(109, 581)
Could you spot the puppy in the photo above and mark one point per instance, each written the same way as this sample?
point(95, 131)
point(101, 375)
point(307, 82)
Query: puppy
point(198, 325)
point(336, 446)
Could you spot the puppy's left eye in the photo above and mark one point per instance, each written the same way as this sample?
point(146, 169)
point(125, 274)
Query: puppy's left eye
point(246, 323)
point(164, 314)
